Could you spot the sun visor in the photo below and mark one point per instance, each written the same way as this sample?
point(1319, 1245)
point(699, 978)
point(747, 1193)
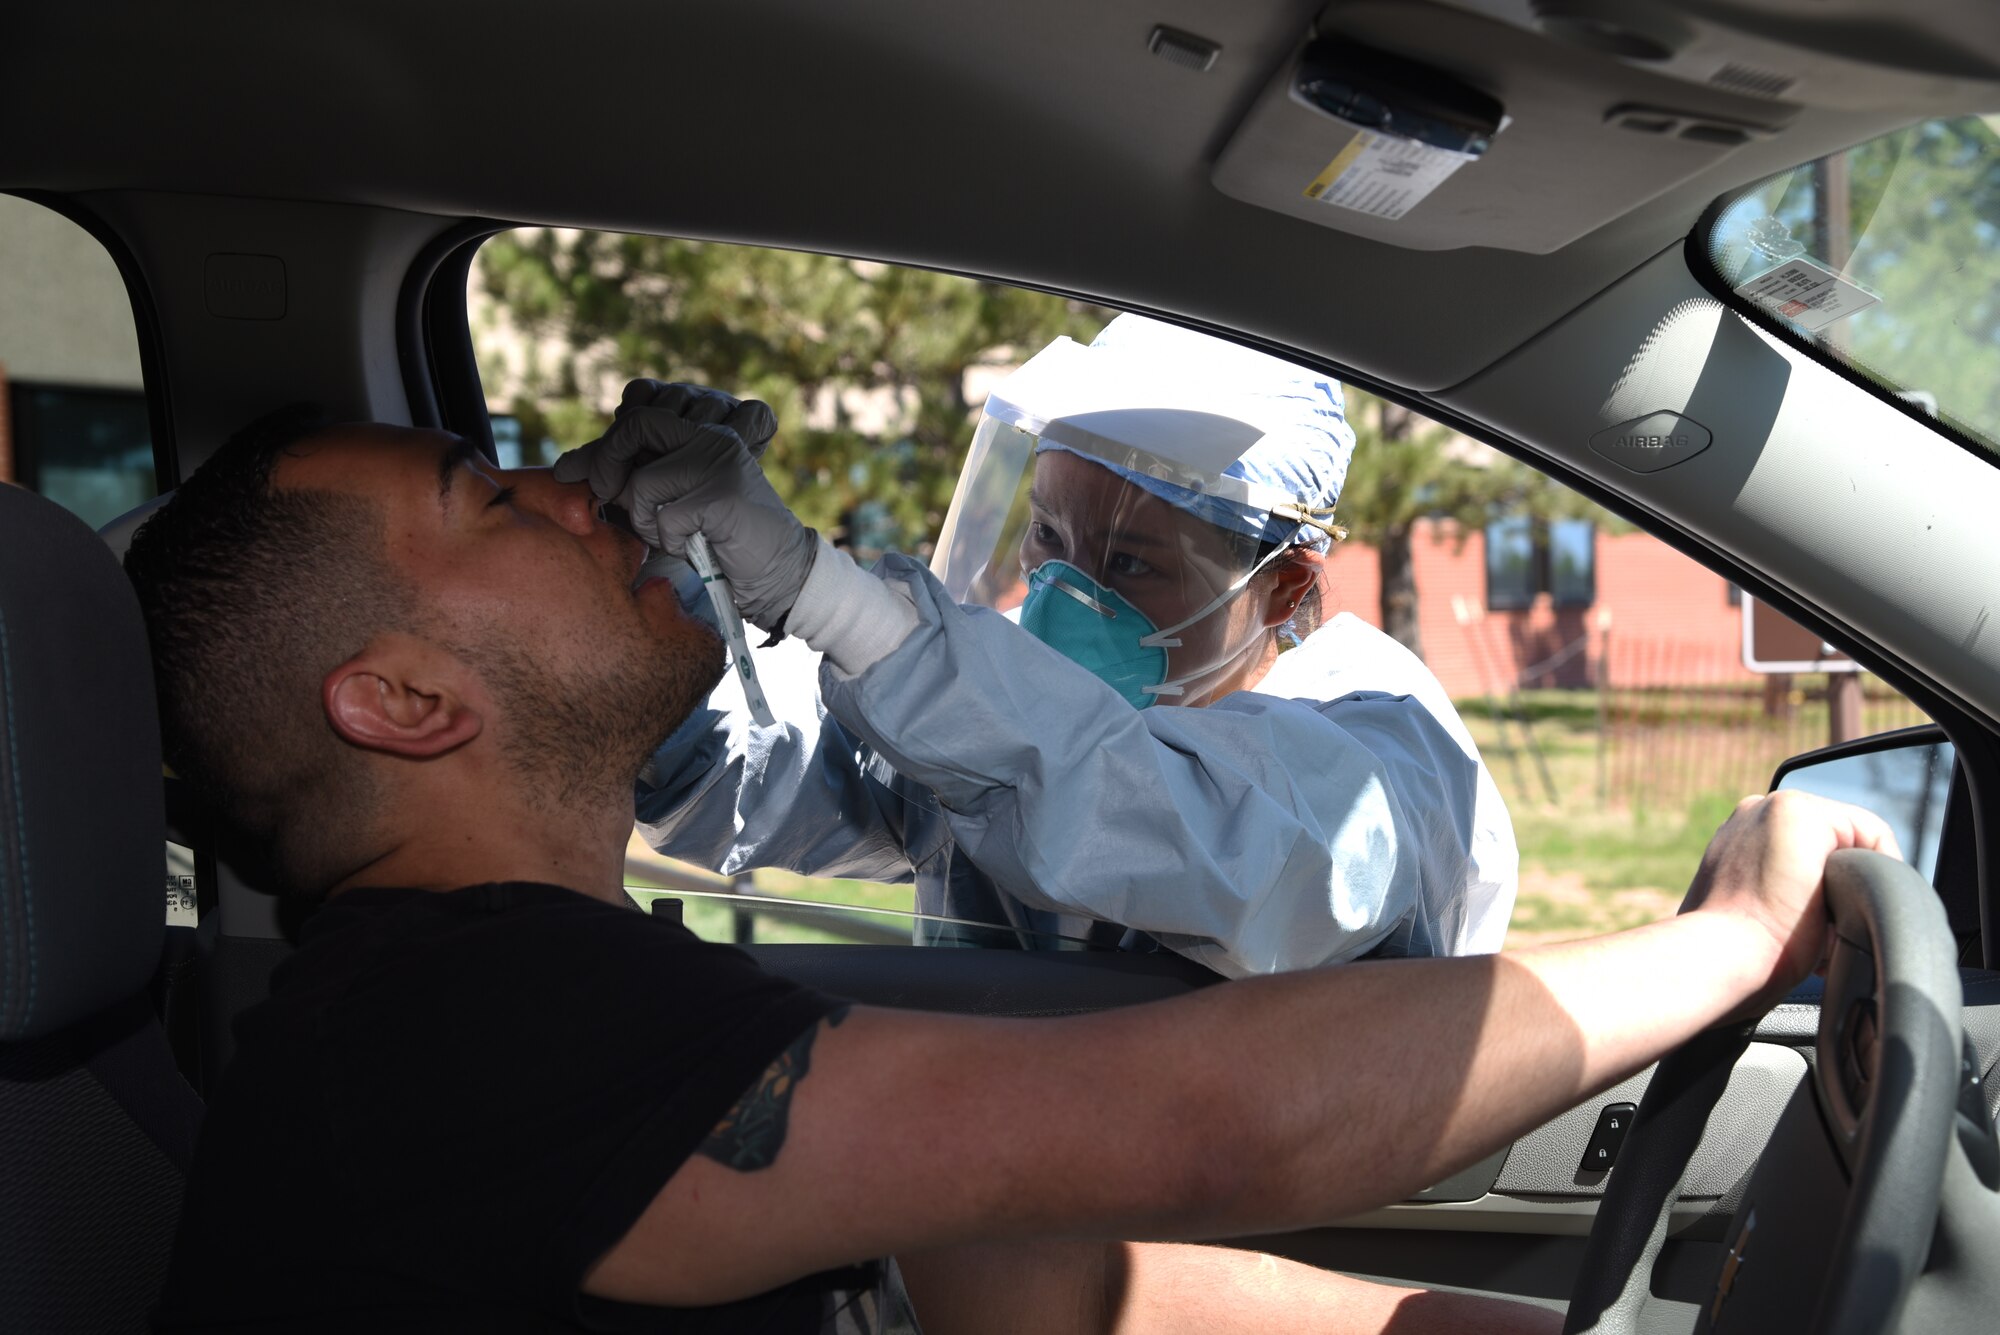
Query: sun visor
point(1494, 136)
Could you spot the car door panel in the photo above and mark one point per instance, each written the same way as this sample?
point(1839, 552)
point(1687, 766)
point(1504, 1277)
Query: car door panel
point(1519, 1237)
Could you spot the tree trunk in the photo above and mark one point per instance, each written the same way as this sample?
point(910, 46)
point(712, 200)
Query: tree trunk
point(1394, 420)
point(1399, 590)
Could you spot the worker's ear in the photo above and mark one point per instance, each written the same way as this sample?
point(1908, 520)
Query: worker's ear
point(1293, 576)
point(403, 696)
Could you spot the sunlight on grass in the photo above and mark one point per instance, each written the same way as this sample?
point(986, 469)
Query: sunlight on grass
point(1587, 866)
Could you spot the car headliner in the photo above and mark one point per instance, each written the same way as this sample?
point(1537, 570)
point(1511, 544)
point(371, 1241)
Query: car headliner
point(1037, 141)
point(1535, 299)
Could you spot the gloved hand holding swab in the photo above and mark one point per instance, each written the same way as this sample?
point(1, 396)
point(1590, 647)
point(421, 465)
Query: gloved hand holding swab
point(680, 463)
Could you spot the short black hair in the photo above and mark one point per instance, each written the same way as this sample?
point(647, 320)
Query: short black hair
point(251, 594)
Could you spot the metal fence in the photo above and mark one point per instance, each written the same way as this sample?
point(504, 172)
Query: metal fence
point(1669, 745)
point(1674, 722)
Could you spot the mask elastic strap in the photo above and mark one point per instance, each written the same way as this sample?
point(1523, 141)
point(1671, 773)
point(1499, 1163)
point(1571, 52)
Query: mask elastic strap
point(1163, 639)
point(1060, 586)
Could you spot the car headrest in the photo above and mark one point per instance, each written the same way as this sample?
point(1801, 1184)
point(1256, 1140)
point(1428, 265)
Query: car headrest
point(82, 899)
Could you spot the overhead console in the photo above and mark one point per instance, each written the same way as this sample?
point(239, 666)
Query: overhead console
point(1525, 124)
point(1432, 128)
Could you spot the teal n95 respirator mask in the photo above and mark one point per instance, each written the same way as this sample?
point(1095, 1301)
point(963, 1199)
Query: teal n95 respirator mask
point(1096, 628)
point(1100, 630)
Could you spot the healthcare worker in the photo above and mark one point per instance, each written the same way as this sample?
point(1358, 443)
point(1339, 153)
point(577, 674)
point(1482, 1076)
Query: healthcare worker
point(1113, 712)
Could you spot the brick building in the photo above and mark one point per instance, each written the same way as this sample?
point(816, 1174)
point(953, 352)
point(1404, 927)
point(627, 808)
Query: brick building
point(1553, 599)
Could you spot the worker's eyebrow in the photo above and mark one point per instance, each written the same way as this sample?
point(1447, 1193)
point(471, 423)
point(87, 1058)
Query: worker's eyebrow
point(1122, 537)
point(458, 452)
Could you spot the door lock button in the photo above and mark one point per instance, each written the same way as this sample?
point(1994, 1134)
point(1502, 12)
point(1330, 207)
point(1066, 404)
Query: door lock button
point(1612, 1124)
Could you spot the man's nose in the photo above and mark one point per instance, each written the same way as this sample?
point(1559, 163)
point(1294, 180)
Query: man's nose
point(570, 504)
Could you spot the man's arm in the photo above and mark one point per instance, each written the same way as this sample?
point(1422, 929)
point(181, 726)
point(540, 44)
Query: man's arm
point(1165, 1288)
point(1265, 1105)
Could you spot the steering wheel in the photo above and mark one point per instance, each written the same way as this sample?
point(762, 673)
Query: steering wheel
point(1838, 1215)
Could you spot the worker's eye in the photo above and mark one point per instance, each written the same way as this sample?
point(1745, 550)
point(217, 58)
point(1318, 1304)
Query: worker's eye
point(1127, 565)
point(1043, 535)
point(504, 496)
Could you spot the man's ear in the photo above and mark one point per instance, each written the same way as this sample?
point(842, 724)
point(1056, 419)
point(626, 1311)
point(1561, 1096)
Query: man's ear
point(402, 696)
point(1291, 579)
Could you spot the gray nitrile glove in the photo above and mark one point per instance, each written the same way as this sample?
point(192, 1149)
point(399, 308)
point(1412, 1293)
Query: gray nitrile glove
point(609, 460)
point(698, 477)
point(607, 463)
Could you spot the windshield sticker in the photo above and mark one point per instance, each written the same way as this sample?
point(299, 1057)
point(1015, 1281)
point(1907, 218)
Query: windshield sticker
point(1382, 176)
point(1807, 293)
point(1773, 240)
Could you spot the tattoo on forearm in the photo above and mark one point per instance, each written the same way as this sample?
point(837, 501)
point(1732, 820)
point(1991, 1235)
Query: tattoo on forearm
point(750, 1134)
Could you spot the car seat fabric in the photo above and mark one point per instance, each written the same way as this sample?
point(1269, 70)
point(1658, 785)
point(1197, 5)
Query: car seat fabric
point(97, 1127)
point(97, 1132)
point(82, 810)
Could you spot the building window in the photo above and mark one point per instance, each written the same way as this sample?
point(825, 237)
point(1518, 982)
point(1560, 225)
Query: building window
point(1572, 562)
point(1512, 575)
point(506, 439)
point(1528, 557)
point(513, 449)
point(89, 450)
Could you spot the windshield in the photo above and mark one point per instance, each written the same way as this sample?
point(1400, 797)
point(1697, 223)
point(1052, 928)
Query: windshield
point(1886, 257)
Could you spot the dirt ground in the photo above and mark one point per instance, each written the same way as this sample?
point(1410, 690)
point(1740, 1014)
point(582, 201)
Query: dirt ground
point(1558, 906)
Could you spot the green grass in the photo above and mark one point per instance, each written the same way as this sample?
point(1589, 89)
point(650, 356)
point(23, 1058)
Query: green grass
point(716, 919)
point(867, 894)
point(1587, 865)
point(1618, 848)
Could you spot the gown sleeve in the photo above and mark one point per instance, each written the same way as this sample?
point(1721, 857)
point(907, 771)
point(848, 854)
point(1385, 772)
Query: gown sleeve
point(1254, 835)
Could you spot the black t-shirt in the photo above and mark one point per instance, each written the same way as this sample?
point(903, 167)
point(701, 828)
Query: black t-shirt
point(452, 1104)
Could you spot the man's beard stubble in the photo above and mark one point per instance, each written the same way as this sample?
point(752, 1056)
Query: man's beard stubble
point(581, 742)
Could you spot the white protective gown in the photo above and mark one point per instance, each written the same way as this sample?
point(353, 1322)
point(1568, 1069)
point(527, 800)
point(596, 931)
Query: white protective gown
point(1339, 809)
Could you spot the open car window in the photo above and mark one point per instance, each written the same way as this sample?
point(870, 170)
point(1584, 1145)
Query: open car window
point(73, 416)
point(1886, 260)
point(1603, 676)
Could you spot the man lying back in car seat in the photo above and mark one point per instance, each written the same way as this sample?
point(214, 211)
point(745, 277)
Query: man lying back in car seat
point(487, 1094)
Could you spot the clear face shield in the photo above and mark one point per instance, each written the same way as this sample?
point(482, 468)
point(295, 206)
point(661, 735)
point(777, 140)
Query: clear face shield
point(1115, 536)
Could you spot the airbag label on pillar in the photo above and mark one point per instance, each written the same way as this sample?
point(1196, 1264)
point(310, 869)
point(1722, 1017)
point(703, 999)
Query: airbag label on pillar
point(1653, 442)
point(245, 287)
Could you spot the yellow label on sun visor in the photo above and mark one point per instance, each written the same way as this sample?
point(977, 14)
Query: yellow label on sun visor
point(1383, 176)
point(1336, 167)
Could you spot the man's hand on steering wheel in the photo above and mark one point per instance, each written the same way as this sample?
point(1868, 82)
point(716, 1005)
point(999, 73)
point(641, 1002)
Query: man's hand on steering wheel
point(1766, 867)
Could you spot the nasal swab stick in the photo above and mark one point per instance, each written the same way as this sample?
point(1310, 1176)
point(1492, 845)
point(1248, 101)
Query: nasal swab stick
point(703, 560)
